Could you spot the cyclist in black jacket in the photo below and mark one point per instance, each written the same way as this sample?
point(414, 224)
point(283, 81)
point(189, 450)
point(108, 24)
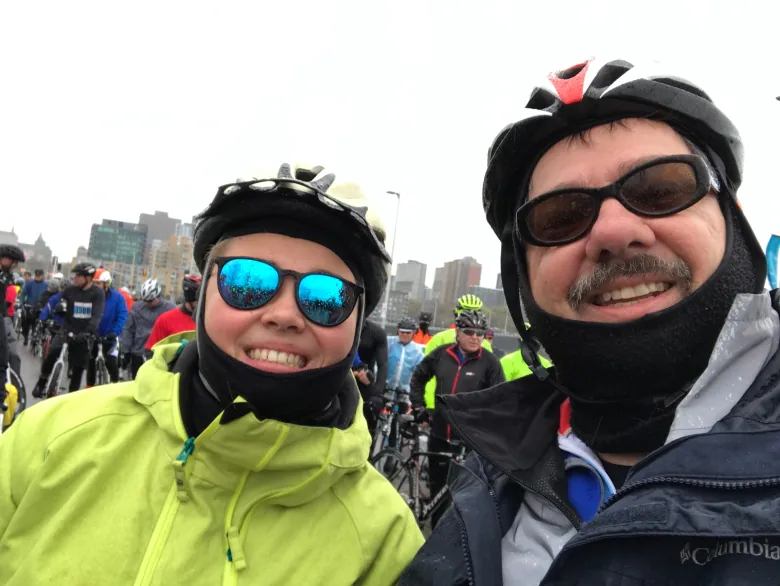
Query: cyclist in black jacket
point(10, 257)
point(459, 368)
point(85, 302)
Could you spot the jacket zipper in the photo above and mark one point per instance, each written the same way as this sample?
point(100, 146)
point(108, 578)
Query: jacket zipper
point(452, 392)
point(455, 382)
point(165, 521)
point(717, 484)
point(573, 518)
point(466, 552)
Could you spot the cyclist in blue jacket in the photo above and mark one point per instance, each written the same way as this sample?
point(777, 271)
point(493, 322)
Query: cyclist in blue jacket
point(403, 355)
point(109, 329)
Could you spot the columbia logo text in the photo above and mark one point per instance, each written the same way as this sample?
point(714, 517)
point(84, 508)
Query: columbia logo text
point(759, 548)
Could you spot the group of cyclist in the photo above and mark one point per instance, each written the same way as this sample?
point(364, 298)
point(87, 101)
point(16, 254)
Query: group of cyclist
point(645, 456)
point(88, 315)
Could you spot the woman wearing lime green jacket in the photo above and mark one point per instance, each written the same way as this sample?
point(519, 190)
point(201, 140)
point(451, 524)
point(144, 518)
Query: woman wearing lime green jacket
point(236, 458)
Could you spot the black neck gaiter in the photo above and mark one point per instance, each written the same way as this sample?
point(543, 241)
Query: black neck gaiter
point(625, 380)
point(297, 398)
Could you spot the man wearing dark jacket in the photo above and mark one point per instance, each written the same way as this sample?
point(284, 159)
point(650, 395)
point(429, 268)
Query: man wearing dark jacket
point(84, 302)
point(459, 368)
point(373, 353)
point(649, 455)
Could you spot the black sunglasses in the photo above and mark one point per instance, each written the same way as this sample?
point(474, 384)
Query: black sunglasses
point(473, 332)
point(249, 283)
point(661, 187)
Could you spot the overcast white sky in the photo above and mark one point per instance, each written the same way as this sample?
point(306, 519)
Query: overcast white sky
point(112, 109)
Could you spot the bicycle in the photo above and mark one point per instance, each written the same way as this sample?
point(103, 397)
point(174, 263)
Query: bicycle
point(18, 319)
point(387, 429)
point(60, 368)
point(36, 339)
point(408, 475)
point(101, 371)
point(48, 330)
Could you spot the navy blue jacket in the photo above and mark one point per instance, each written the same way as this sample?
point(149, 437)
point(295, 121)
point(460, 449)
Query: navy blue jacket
point(703, 509)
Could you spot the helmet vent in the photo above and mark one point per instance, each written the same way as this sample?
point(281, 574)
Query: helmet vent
point(571, 72)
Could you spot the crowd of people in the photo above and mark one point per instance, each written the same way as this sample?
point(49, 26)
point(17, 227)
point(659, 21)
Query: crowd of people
point(641, 452)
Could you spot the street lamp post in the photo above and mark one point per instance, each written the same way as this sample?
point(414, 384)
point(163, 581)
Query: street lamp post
point(392, 258)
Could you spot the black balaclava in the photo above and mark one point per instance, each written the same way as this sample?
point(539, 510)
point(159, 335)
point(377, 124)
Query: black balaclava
point(625, 380)
point(292, 397)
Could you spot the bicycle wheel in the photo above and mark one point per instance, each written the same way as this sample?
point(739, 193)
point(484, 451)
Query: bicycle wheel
point(21, 402)
point(401, 474)
point(55, 379)
point(100, 372)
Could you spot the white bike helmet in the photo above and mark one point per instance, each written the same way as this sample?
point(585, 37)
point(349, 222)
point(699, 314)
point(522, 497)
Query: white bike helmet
point(150, 290)
point(105, 277)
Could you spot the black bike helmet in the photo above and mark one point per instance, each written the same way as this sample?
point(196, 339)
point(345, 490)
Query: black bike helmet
point(84, 269)
point(13, 252)
point(407, 323)
point(471, 318)
point(589, 94)
point(339, 209)
point(191, 287)
point(425, 317)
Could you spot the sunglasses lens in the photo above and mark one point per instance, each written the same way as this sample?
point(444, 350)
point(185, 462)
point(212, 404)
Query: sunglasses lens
point(326, 300)
point(661, 189)
point(473, 332)
point(246, 283)
point(561, 217)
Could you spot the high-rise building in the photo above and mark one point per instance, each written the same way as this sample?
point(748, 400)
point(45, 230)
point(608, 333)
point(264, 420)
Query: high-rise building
point(397, 306)
point(413, 272)
point(499, 282)
point(458, 276)
point(490, 297)
point(117, 241)
point(438, 283)
point(159, 227)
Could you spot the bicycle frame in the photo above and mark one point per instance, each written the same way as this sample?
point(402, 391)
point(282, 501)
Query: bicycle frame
point(423, 512)
point(61, 371)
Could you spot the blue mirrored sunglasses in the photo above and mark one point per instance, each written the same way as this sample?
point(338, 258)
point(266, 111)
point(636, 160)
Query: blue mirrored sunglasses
point(249, 283)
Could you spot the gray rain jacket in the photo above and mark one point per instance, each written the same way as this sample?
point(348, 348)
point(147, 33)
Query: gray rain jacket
point(139, 325)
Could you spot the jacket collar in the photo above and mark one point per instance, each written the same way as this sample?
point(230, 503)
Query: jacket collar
point(298, 462)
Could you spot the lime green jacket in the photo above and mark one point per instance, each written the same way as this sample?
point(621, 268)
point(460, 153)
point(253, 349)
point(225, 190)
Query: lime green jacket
point(515, 367)
point(104, 487)
point(440, 339)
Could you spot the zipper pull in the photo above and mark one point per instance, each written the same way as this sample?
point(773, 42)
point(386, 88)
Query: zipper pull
point(179, 473)
point(186, 451)
point(235, 552)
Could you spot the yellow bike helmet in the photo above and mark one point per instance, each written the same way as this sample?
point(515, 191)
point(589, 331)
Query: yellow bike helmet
point(468, 301)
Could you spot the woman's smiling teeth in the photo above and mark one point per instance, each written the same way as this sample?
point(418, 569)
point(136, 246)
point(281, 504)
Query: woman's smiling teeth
point(285, 358)
point(631, 295)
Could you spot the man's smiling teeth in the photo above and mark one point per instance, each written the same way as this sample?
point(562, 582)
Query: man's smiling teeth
point(288, 359)
point(629, 295)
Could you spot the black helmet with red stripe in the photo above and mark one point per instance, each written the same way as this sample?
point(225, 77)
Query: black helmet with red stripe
point(191, 287)
point(596, 92)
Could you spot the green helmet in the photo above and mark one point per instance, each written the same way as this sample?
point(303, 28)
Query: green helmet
point(468, 301)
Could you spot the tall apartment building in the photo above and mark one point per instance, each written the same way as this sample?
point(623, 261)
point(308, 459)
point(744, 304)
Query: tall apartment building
point(413, 272)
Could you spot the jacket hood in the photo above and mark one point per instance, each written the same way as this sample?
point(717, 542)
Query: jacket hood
point(298, 463)
point(512, 424)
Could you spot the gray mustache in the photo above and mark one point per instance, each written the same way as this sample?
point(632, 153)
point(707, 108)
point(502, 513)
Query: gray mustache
point(642, 264)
